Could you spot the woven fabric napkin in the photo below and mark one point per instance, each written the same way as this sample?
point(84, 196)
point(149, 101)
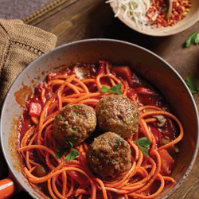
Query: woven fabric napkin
point(20, 44)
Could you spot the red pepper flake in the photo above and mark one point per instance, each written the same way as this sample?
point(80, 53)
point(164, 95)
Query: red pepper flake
point(180, 9)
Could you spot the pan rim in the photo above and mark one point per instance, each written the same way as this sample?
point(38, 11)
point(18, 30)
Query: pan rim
point(112, 41)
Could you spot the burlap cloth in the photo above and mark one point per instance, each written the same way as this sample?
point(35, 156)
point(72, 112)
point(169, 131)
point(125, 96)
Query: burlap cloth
point(20, 44)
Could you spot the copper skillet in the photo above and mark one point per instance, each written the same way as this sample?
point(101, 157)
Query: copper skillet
point(142, 61)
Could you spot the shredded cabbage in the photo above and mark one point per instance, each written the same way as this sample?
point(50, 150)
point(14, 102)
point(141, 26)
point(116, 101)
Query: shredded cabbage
point(134, 9)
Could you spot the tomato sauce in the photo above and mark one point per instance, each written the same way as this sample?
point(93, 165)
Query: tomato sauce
point(139, 91)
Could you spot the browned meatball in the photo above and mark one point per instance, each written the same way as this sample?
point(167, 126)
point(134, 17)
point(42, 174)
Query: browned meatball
point(109, 155)
point(74, 123)
point(118, 114)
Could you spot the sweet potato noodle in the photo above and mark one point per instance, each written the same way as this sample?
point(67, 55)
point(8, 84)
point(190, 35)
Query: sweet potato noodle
point(59, 178)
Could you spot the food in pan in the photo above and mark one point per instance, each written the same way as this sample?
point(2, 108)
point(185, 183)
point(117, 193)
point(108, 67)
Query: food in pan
point(109, 155)
point(98, 131)
point(118, 114)
point(74, 123)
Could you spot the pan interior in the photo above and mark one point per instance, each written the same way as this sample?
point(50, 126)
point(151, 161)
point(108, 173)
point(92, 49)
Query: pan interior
point(143, 62)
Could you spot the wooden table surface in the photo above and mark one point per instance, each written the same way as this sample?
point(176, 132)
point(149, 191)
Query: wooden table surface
point(94, 19)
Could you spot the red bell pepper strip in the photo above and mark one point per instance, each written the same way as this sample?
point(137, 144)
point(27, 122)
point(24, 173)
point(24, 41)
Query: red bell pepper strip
point(167, 162)
point(157, 134)
point(125, 72)
point(132, 94)
point(78, 177)
point(102, 67)
point(145, 91)
point(35, 109)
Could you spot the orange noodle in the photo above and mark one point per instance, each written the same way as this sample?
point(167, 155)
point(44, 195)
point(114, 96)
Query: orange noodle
point(147, 176)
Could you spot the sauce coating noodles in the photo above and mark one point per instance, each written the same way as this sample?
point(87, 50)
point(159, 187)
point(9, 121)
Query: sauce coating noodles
point(59, 178)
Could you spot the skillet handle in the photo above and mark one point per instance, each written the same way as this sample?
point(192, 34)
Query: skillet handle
point(6, 188)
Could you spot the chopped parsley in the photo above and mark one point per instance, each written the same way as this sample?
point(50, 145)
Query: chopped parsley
point(62, 150)
point(192, 39)
point(75, 128)
point(144, 145)
point(69, 143)
point(76, 110)
point(114, 89)
point(116, 147)
point(119, 143)
point(72, 155)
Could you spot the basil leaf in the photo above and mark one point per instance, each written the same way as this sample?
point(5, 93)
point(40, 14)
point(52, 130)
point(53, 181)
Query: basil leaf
point(197, 39)
point(144, 141)
point(72, 155)
point(192, 39)
point(144, 145)
point(60, 152)
point(144, 151)
point(114, 89)
point(69, 143)
point(193, 84)
point(105, 89)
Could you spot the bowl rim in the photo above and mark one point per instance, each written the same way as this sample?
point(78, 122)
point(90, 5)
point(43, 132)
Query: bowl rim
point(13, 170)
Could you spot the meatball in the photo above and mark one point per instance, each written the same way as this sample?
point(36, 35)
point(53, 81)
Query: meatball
point(74, 123)
point(109, 155)
point(118, 114)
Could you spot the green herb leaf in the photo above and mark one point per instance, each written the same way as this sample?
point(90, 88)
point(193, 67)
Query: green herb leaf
point(119, 143)
point(114, 89)
point(197, 39)
point(72, 155)
point(69, 143)
point(144, 145)
point(193, 84)
point(192, 39)
point(75, 128)
point(60, 152)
